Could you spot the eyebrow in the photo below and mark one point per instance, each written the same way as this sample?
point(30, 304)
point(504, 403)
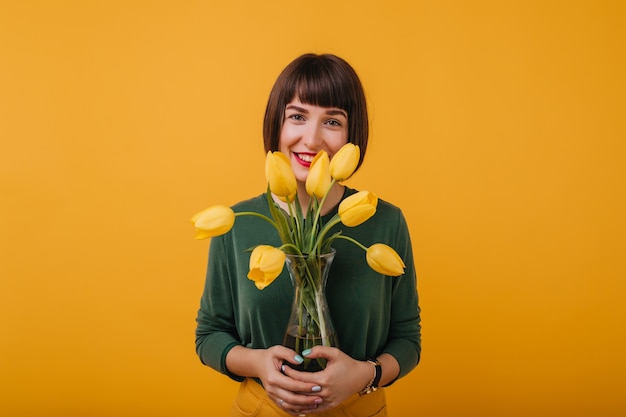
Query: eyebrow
point(330, 112)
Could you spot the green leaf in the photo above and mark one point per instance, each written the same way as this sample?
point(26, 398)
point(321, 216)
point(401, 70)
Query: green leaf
point(280, 218)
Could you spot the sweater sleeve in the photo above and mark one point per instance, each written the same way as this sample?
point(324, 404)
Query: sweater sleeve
point(216, 333)
point(404, 342)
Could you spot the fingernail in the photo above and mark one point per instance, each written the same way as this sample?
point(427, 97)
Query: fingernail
point(318, 401)
point(298, 358)
point(306, 352)
point(282, 369)
point(316, 388)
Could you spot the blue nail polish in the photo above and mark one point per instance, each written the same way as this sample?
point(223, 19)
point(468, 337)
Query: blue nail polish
point(298, 358)
point(306, 352)
point(316, 388)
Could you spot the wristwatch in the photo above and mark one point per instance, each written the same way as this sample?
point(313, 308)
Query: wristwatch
point(373, 384)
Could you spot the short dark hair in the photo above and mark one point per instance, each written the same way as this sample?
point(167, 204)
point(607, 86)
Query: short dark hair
point(321, 80)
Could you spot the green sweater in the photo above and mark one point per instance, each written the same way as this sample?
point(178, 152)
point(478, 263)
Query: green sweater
point(372, 313)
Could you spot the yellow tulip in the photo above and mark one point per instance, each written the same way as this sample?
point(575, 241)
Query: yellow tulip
point(214, 221)
point(279, 175)
point(384, 260)
point(357, 208)
point(289, 198)
point(344, 162)
point(318, 180)
point(266, 264)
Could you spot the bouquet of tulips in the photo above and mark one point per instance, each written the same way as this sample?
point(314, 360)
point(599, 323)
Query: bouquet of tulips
point(306, 242)
point(300, 237)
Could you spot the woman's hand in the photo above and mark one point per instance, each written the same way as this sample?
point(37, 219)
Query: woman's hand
point(342, 377)
point(293, 396)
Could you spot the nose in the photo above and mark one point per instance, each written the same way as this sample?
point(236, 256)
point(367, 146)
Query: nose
point(312, 137)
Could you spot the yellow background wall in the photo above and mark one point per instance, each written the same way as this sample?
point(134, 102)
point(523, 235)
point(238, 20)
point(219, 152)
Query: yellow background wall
point(498, 126)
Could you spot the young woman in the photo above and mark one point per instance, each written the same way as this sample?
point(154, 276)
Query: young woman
point(317, 103)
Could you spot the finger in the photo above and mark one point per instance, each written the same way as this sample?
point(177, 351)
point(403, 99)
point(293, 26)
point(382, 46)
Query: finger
point(283, 351)
point(321, 352)
point(291, 357)
point(301, 376)
point(299, 395)
point(295, 408)
point(287, 407)
point(307, 381)
point(282, 356)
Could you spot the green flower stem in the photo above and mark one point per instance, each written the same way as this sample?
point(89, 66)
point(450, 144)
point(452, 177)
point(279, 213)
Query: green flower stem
point(291, 245)
point(254, 213)
point(319, 209)
point(295, 217)
point(320, 238)
point(311, 301)
point(294, 224)
point(280, 218)
point(322, 322)
point(353, 241)
point(318, 213)
point(313, 226)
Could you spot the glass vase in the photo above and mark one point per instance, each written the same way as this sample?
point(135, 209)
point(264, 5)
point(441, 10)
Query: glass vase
point(310, 323)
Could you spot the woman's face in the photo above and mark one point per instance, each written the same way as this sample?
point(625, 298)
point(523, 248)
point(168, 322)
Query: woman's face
point(308, 129)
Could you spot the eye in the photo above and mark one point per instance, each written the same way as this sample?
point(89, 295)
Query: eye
point(296, 116)
point(334, 122)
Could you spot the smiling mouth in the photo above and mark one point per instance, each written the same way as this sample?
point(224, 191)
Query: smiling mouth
point(304, 159)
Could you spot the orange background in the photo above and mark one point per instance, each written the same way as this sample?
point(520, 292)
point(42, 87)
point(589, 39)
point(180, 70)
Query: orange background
point(498, 127)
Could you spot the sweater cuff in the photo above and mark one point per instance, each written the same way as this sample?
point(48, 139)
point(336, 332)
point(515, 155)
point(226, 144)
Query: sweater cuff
point(224, 369)
point(405, 353)
point(213, 350)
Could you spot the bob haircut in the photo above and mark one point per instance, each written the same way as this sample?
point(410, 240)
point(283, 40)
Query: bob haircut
point(320, 80)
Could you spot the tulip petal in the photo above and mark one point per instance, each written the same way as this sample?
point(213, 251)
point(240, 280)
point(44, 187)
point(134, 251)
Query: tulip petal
point(344, 162)
point(357, 208)
point(385, 260)
point(213, 221)
point(318, 180)
point(266, 264)
point(202, 235)
point(279, 174)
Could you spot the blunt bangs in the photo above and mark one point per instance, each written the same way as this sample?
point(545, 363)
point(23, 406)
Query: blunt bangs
point(319, 85)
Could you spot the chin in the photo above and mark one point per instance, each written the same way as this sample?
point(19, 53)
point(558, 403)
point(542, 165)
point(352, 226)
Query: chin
point(300, 173)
